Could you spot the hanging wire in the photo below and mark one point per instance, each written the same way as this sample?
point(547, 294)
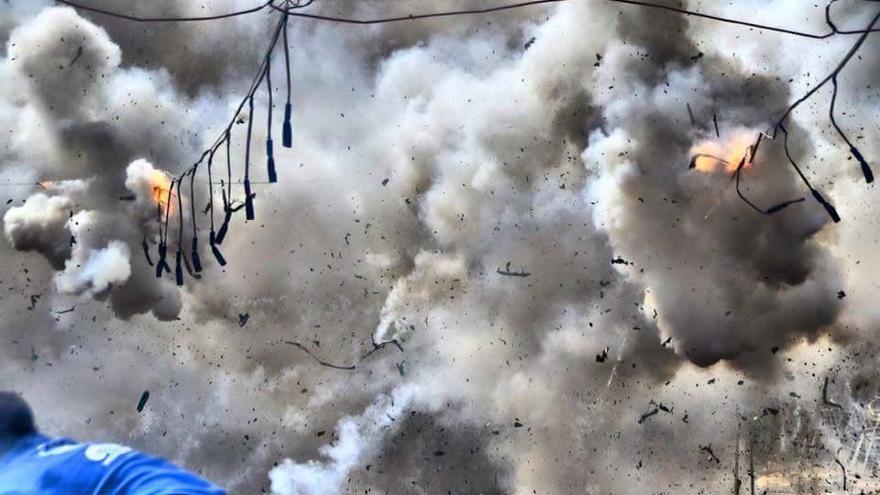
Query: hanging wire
point(196, 259)
point(127, 17)
point(829, 208)
point(212, 242)
point(227, 210)
point(178, 268)
point(289, 9)
point(287, 129)
point(162, 264)
point(832, 77)
point(211, 192)
point(866, 169)
point(248, 198)
point(270, 152)
point(780, 124)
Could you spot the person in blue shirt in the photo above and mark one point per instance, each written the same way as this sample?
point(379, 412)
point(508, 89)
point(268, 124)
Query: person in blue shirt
point(32, 463)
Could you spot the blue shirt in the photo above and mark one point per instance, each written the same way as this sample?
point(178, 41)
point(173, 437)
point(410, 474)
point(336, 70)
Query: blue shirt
point(42, 465)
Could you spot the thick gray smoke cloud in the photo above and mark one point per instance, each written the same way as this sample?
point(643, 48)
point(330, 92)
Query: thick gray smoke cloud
point(656, 317)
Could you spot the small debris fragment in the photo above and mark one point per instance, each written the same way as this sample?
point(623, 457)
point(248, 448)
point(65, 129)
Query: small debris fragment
point(143, 402)
point(711, 455)
point(508, 273)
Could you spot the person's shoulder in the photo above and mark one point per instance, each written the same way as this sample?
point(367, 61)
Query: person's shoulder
point(144, 473)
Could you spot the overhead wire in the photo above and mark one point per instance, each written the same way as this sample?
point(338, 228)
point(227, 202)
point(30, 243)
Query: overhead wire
point(291, 9)
point(127, 17)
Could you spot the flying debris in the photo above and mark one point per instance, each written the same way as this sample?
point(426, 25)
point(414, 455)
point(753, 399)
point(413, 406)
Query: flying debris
point(34, 298)
point(143, 401)
point(707, 449)
point(825, 399)
point(508, 273)
point(79, 52)
point(350, 367)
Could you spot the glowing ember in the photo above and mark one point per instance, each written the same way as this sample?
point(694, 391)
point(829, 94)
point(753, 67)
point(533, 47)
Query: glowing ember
point(711, 154)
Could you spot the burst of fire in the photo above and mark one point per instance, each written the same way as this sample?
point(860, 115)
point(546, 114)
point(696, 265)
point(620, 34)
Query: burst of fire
point(161, 184)
point(710, 155)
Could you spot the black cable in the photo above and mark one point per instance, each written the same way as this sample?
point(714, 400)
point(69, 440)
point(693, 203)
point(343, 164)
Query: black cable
point(837, 69)
point(178, 268)
point(270, 152)
point(227, 210)
point(866, 169)
point(829, 208)
point(269, 3)
point(414, 16)
point(693, 163)
point(164, 19)
point(729, 20)
point(768, 211)
point(248, 199)
point(211, 190)
point(161, 264)
point(287, 130)
point(196, 259)
point(669, 8)
point(832, 77)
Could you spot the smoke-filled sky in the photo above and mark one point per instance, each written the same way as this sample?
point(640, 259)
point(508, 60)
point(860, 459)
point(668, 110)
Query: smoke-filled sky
point(506, 197)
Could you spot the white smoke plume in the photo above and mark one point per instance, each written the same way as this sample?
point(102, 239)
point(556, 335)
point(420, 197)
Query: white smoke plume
point(487, 235)
point(357, 438)
point(40, 224)
point(92, 269)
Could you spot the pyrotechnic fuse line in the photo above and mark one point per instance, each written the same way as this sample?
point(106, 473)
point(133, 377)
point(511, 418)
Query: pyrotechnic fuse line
point(162, 265)
point(248, 198)
point(270, 154)
point(212, 235)
point(750, 153)
point(289, 10)
point(178, 268)
point(832, 77)
point(146, 248)
point(196, 259)
point(829, 208)
point(780, 125)
point(668, 8)
point(834, 73)
point(134, 18)
point(227, 211)
point(866, 169)
point(287, 129)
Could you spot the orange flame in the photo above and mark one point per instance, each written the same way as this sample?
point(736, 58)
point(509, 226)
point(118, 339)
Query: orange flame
point(711, 154)
point(161, 187)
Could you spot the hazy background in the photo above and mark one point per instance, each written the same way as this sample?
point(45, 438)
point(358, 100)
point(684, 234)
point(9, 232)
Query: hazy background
point(427, 156)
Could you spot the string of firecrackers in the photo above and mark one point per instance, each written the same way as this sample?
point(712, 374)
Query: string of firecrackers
point(751, 151)
point(217, 234)
point(288, 9)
